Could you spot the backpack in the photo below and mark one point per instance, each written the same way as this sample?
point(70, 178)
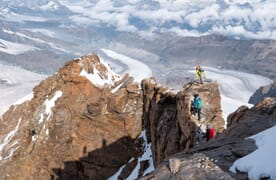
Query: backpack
point(198, 103)
point(201, 70)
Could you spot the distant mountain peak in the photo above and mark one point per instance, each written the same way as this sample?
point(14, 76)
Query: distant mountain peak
point(97, 71)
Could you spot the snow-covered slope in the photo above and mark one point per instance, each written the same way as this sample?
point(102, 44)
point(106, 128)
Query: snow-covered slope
point(14, 48)
point(16, 85)
point(236, 87)
point(135, 68)
point(260, 163)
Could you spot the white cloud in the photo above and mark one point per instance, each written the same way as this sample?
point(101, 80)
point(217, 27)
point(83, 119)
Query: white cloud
point(184, 32)
point(236, 12)
point(82, 20)
point(238, 18)
point(121, 21)
point(202, 16)
point(159, 16)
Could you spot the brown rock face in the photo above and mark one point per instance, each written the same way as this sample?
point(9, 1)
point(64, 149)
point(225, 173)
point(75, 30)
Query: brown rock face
point(168, 120)
point(258, 118)
point(262, 92)
point(73, 128)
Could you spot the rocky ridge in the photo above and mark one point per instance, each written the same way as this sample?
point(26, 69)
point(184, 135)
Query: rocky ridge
point(82, 123)
point(170, 125)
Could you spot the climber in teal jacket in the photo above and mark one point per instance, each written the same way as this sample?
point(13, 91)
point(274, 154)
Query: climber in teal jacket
point(196, 106)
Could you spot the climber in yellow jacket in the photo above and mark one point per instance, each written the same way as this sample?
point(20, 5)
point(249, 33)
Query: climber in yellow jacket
point(199, 73)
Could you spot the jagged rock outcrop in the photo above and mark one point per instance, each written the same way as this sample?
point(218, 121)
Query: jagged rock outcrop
point(262, 92)
point(213, 159)
point(260, 117)
point(80, 124)
point(170, 126)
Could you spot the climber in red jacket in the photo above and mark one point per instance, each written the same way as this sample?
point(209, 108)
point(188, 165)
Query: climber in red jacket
point(210, 132)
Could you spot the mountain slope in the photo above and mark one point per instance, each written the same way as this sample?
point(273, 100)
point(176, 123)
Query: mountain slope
point(83, 122)
point(76, 124)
